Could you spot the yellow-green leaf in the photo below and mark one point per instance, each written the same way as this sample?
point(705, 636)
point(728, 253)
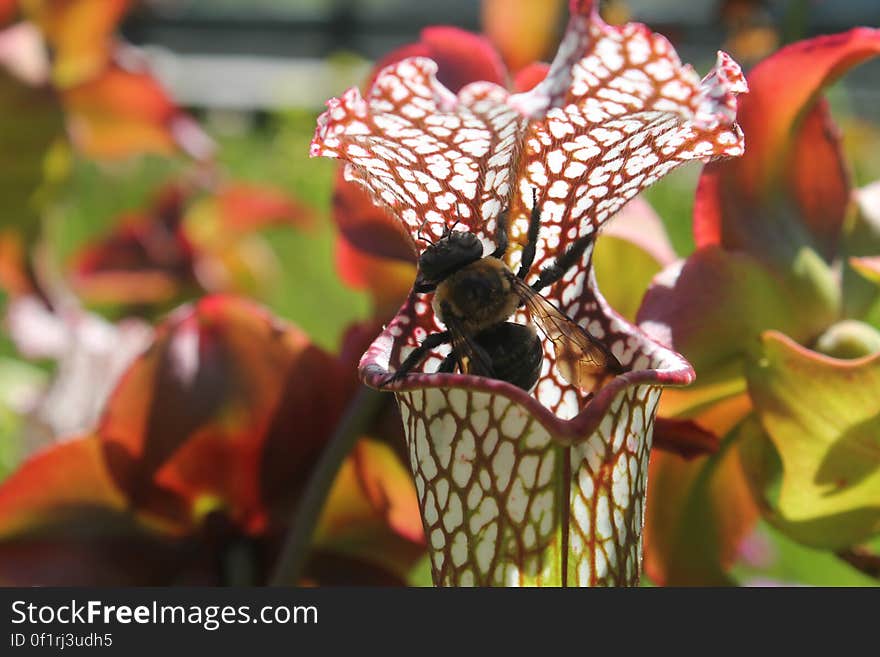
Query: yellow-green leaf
point(623, 271)
point(822, 415)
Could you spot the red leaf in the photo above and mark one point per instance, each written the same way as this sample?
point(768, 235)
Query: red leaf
point(123, 112)
point(819, 179)
point(155, 255)
point(210, 435)
point(126, 92)
point(791, 187)
point(16, 279)
point(114, 550)
point(713, 306)
point(368, 227)
point(685, 438)
point(64, 522)
point(247, 206)
point(388, 281)
point(68, 475)
point(462, 57)
point(8, 10)
point(529, 77)
point(213, 416)
point(373, 252)
point(148, 259)
point(80, 33)
point(698, 513)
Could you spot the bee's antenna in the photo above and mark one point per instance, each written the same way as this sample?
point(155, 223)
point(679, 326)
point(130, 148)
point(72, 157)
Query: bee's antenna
point(419, 233)
point(448, 229)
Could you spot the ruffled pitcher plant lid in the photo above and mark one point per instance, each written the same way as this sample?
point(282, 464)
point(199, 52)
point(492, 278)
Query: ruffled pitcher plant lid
point(546, 486)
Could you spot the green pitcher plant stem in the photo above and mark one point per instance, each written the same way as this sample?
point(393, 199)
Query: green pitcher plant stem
point(362, 410)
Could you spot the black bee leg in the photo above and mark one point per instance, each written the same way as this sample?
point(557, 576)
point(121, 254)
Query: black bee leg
point(528, 253)
point(448, 364)
point(417, 355)
point(570, 257)
point(500, 235)
point(479, 365)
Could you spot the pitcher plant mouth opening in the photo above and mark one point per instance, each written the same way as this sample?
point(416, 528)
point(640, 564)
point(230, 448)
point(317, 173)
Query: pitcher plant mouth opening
point(541, 482)
point(571, 413)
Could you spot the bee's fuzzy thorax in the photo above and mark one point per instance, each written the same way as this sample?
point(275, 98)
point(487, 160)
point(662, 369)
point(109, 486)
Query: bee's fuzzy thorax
point(480, 294)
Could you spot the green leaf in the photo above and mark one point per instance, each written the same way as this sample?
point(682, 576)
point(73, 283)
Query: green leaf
point(793, 563)
point(18, 381)
point(849, 338)
point(623, 271)
point(673, 199)
point(822, 416)
point(30, 122)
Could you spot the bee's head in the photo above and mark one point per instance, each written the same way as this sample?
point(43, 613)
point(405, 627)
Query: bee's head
point(450, 253)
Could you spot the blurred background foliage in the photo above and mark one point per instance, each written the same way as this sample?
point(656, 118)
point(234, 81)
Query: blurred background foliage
point(254, 75)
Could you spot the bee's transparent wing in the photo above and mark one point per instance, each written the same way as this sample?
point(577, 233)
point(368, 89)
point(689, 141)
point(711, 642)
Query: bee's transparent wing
point(470, 357)
point(581, 359)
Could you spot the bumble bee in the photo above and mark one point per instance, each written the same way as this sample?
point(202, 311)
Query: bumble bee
point(475, 295)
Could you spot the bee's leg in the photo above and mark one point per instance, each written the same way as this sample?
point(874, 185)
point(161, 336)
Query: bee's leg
point(417, 355)
point(448, 364)
point(572, 255)
point(528, 253)
point(500, 235)
point(478, 368)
